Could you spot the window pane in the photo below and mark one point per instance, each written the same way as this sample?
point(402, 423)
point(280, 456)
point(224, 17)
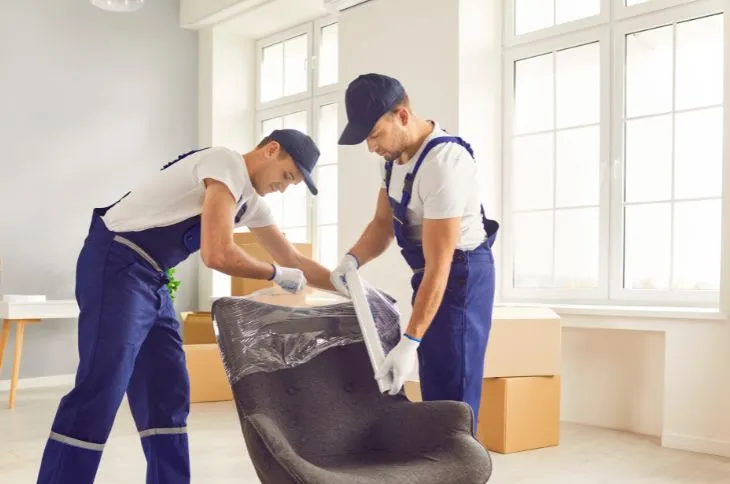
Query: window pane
point(296, 235)
point(294, 205)
point(647, 246)
point(272, 72)
point(699, 62)
point(578, 167)
point(576, 248)
point(649, 159)
point(698, 154)
point(275, 201)
point(578, 86)
point(269, 125)
point(533, 15)
point(533, 246)
point(532, 172)
point(697, 238)
point(534, 99)
point(327, 198)
point(569, 10)
point(295, 65)
point(328, 55)
point(297, 121)
point(328, 135)
point(328, 251)
point(649, 72)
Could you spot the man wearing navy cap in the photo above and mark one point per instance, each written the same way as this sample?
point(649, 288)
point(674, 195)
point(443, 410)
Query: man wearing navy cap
point(129, 337)
point(430, 203)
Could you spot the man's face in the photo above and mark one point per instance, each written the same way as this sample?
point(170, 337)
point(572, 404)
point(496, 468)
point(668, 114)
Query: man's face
point(280, 172)
point(388, 137)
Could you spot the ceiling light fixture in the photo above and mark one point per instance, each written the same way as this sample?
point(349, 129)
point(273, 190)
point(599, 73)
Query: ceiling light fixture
point(119, 5)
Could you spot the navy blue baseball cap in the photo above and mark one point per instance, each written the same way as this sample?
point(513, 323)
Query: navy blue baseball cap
point(367, 98)
point(303, 151)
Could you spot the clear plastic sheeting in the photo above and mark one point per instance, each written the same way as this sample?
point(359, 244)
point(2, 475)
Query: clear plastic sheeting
point(272, 330)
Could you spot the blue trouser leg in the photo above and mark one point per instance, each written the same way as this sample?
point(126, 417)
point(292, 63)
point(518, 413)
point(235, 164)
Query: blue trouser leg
point(118, 307)
point(159, 397)
point(451, 356)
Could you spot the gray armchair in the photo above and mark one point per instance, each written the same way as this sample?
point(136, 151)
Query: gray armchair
point(321, 419)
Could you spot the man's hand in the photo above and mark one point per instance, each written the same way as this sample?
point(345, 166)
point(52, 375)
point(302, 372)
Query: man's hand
point(284, 253)
point(291, 280)
point(399, 362)
point(337, 277)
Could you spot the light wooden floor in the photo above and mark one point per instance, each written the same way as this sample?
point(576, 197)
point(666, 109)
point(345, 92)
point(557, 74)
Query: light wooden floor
point(586, 455)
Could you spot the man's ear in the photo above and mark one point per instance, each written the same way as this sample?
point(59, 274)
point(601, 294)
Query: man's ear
point(272, 149)
point(403, 115)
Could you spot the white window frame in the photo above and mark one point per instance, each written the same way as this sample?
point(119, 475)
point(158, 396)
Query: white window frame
point(601, 36)
point(309, 101)
point(609, 31)
point(319, 24)
point(511, 39)
point(657, 17)
point(261, 44)
point(318, 102)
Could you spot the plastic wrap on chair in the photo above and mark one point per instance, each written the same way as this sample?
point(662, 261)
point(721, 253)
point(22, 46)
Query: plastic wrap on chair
point(271, 330)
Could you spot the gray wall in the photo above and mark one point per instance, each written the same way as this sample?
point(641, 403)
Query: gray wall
point(90, 102)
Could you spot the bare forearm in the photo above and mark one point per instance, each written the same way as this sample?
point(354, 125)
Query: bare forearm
point(316, 274)
point(374, 240)
point(428, 299)
point(235, 262)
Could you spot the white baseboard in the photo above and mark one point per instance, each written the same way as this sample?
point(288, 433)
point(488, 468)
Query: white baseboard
point(696, 444)
point(39, 382)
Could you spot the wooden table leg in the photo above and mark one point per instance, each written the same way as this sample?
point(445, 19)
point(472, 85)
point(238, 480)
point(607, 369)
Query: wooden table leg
point(19, 333)
point(4, 341)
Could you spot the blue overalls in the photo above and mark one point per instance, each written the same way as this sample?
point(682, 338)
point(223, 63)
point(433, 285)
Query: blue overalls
point(129, 341)
point(451, 354)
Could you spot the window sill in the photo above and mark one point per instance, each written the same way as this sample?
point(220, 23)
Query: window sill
point(639, 312)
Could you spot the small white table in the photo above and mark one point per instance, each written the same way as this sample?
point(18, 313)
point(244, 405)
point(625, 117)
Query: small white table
point(28, 312)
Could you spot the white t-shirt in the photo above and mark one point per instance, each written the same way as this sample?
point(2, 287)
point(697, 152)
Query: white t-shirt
point(446, 186)
point(176, 193)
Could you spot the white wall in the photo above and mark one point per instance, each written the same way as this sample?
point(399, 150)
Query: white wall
point(91, 102)
point(227, 101)
point(599, 388)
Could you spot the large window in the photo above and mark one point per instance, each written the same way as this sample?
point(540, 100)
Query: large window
point(297, 88)
point(614, 151)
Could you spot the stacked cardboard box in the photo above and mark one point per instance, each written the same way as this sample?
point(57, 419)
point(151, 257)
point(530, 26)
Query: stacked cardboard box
point(520, 407)
point(208, 380)
point(241, 286)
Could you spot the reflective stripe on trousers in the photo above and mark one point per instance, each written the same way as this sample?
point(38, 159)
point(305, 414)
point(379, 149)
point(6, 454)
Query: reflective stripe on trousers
point(129, 342)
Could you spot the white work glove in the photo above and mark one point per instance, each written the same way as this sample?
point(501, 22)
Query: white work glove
point(399, 363)
point(337, 276)
point(291, 280)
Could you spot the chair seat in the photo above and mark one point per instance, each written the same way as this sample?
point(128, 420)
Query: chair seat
point(445, 465)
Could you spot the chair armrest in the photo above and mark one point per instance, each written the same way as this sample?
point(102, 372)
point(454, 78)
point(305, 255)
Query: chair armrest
point(276, 443)
point(421, 426)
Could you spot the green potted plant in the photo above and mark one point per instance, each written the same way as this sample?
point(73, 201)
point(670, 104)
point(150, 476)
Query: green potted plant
point(173, 284)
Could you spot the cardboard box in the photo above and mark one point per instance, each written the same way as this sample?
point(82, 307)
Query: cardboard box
point(208, 379)
point(519, 414)
point(523, 341)
point(515, 414)
point(309, 297)
point(241, 286)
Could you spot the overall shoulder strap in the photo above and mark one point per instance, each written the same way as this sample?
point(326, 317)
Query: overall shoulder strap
point(185, 155)
point(388, 173)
